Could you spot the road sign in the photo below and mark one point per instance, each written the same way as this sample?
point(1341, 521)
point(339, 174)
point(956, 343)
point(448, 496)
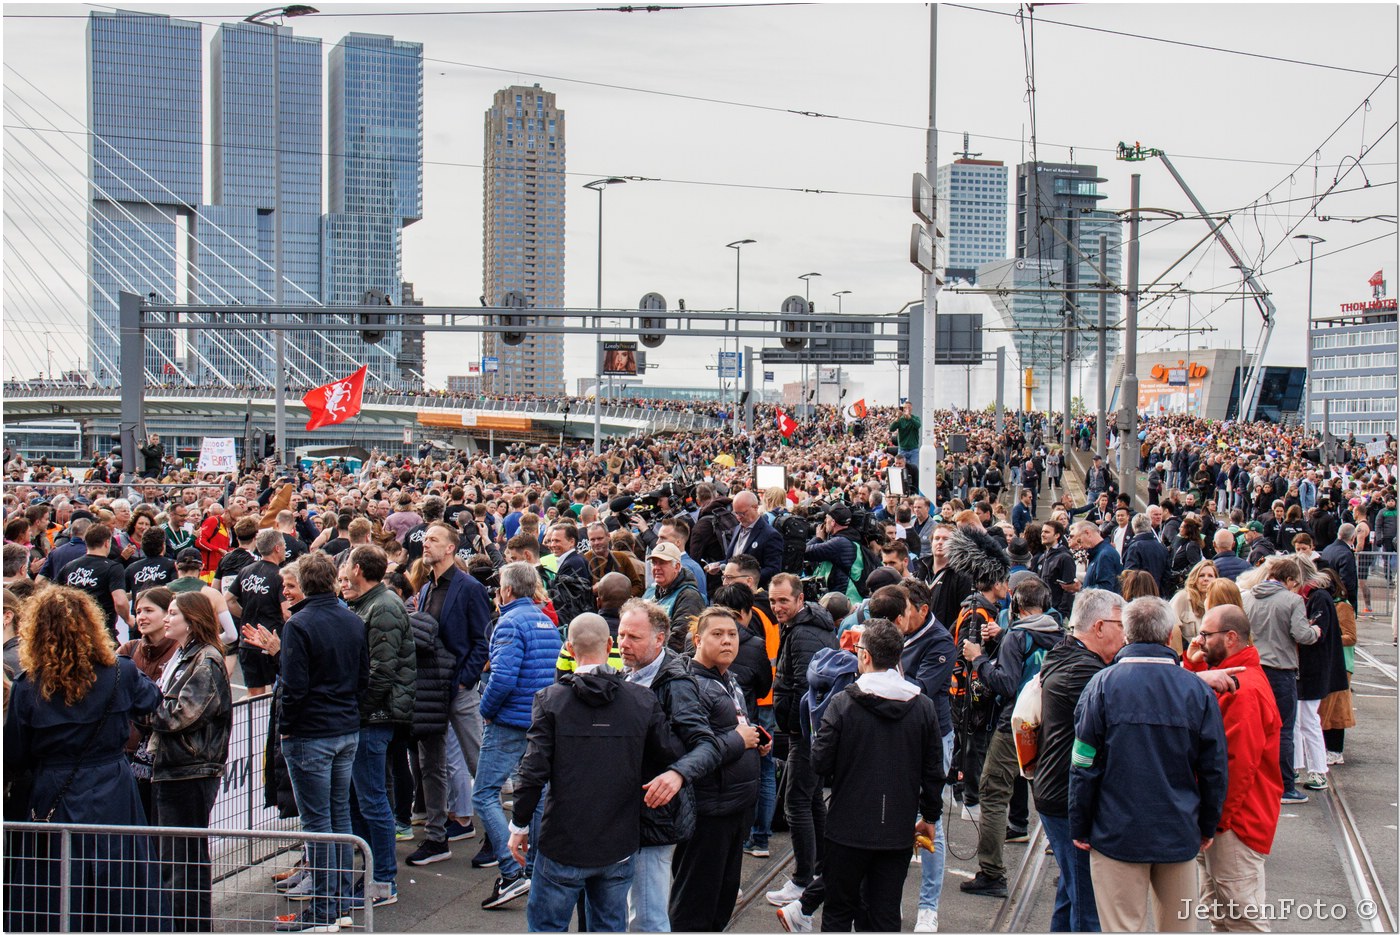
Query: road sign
point(769, 376)
point(731, 365)
point(490, 364)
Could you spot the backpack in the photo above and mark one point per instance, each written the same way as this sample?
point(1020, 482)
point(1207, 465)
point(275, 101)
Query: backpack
point(866, 562)
point(974, 705)
point(796, 531)
point(1177, 570)
point(725, 522)
point(572, 596)
point(828, 674)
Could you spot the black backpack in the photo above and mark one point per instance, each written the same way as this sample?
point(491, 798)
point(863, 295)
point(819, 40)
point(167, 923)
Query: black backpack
point(796, 531)
point(572, 596)
point(724, 522)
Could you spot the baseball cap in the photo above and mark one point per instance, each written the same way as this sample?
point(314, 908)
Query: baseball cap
point(1254, 526)
point(189, 558)
point(841, 514)
point(666, 552)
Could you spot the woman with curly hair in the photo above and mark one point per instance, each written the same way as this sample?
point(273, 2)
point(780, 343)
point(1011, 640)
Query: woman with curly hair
point(69, 721)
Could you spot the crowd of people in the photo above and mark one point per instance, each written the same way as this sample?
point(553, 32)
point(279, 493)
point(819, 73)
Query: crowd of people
point(620, 672)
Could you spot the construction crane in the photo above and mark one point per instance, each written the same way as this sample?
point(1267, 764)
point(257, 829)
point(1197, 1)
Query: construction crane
point(1249, 398)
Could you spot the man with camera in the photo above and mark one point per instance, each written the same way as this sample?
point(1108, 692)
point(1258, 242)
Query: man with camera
point(837, 543)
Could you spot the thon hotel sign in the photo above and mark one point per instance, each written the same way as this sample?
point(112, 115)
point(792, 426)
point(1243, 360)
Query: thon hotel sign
point(1378, 303)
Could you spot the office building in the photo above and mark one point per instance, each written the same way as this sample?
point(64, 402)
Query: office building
point(973, 195)
point(265, 161)
point(1057, 204)
point(375, 142)
point(1354, 369)
point(146, 166)
point(523, 242)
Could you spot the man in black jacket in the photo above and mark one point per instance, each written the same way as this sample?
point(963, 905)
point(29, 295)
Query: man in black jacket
point(1096, 635)
point(1342, 559)
point(806, 628)
point(705, 880)
point(670, 795)
point(883, 718)
point(593, 738)
point(836, 543)
point(1143, 552)
point(1055, 566)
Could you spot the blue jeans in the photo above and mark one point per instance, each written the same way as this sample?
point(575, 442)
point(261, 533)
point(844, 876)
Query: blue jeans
point(767, 786)
point(320, 770)
point(555, 888)
point(373, 818)
point(502, 747)
point(911, 456)
point(1075, 910)
point(1284, 682)
point(649, 901)
point(931, 884)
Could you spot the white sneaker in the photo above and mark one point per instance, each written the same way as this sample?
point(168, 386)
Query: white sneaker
point(793, 919)
point(1334, 758)
point(787, 894)
point(927, 921)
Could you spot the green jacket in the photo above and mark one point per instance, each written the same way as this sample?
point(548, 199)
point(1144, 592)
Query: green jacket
point(907, 429)
point(393, 664)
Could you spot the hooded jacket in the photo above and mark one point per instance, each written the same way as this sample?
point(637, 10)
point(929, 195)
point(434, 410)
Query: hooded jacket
point(927, 661)
point(393, 663)
point(1278, 622)
point(733, 787)
point(594, 738)
point(1029, 638)
point(812, 629)
point(1252, 725)
point(883, 718)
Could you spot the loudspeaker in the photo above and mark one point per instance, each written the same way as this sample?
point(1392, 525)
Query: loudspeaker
point(957, 444)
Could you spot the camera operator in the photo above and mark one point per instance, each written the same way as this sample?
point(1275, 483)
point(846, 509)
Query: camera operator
point(837, 543)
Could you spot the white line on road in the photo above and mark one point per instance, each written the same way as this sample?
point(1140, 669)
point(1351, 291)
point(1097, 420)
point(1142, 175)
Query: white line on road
point(1384, 688)
point(1385, 668)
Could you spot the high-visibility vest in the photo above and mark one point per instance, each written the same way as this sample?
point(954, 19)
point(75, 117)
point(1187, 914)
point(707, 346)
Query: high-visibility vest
point(772, 641)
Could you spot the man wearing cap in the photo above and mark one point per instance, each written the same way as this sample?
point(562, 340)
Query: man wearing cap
point(1258, 544)
point(1097, 479)
point(837, 544)
point(675, 591)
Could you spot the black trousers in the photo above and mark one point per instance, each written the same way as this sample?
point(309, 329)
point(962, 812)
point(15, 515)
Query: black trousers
point(805, 809)
point(863, 888)
point(705, 872)
point(184, 862)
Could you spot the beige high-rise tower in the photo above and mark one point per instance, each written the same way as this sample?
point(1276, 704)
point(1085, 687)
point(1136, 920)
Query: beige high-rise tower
point(523, 241)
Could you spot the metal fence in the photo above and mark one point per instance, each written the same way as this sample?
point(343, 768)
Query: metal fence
point(1376, 574)
point(70, 877)
point(241, 801)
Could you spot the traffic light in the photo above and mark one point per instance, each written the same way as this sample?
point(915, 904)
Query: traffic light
point(653, 302)
point(794, 336)
point(510, 322)
point(372, 323)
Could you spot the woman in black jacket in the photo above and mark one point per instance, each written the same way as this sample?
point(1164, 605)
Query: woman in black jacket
point(706, 867)
point(189, 749)
point(1321, 671)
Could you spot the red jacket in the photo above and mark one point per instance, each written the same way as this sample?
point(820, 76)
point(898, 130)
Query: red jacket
point(1252, 726)
point(212, 542)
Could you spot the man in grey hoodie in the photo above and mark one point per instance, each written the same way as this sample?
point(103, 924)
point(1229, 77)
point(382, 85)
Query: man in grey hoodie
point(1015, 658)
point(1279, 622)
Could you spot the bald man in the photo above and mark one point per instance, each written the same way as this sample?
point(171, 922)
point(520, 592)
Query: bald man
point(754, 536)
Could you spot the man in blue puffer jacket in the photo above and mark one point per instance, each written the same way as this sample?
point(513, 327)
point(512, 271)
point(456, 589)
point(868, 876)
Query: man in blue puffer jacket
point(524, 648)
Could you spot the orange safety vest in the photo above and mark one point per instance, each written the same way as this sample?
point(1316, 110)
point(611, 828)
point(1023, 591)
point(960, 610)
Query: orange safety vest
point(772, 640)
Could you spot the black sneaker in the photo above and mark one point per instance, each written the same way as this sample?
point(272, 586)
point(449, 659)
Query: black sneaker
point(1017, 835)
point(460, 831)
point(429, 852)
point(486, 857)
point(984, 885)
point(505, 890)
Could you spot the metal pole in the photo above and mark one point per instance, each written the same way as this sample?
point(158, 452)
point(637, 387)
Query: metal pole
point(1001, 386)
point(928, 454)
point(279, 422)
point(1128, 445)
point(133, 376)
point(1101, 435)
point(1066, 339)
point(597, 342)
point(1239, 405)
point(738, 260)
point(915, 352)
point(748, 391)
point(1307, 380)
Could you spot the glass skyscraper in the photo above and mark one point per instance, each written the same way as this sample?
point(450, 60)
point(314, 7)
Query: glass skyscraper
point(974, 194)
point(375, 142)
point(266, 161)
point(146, 165)
point(523, 242)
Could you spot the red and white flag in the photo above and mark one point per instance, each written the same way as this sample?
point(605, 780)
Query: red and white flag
point(785, 424)
point(335, 402)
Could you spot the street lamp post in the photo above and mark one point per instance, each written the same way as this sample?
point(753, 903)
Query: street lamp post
point(1313, 240)
point(279, 339)
point(837, 296)
point(598, 185)
point(738, 248)
point(806, 406)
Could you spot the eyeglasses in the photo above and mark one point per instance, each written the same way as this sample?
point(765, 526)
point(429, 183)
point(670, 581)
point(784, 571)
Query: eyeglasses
point(860, 647)
point(1117, 620)
point(1205, 633)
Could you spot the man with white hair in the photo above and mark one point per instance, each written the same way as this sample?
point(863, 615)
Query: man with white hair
point(1133, 771)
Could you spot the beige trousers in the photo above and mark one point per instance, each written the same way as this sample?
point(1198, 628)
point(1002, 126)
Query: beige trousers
point(1122, 891)
point(1232, 881)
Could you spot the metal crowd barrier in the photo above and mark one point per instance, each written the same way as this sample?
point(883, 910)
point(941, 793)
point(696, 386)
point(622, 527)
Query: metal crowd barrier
point(1376, 574)
point(240, 804)
point(71, 877)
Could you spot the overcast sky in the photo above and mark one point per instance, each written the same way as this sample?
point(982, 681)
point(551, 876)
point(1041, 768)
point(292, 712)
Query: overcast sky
point(1237, 126)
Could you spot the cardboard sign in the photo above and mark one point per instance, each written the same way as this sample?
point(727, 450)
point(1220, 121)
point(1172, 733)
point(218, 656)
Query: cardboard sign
point(217, 454)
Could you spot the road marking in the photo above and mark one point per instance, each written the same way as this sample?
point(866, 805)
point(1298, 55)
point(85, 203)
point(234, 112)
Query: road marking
point(1370, 660)
point(1384, 688)
point(959, 873)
